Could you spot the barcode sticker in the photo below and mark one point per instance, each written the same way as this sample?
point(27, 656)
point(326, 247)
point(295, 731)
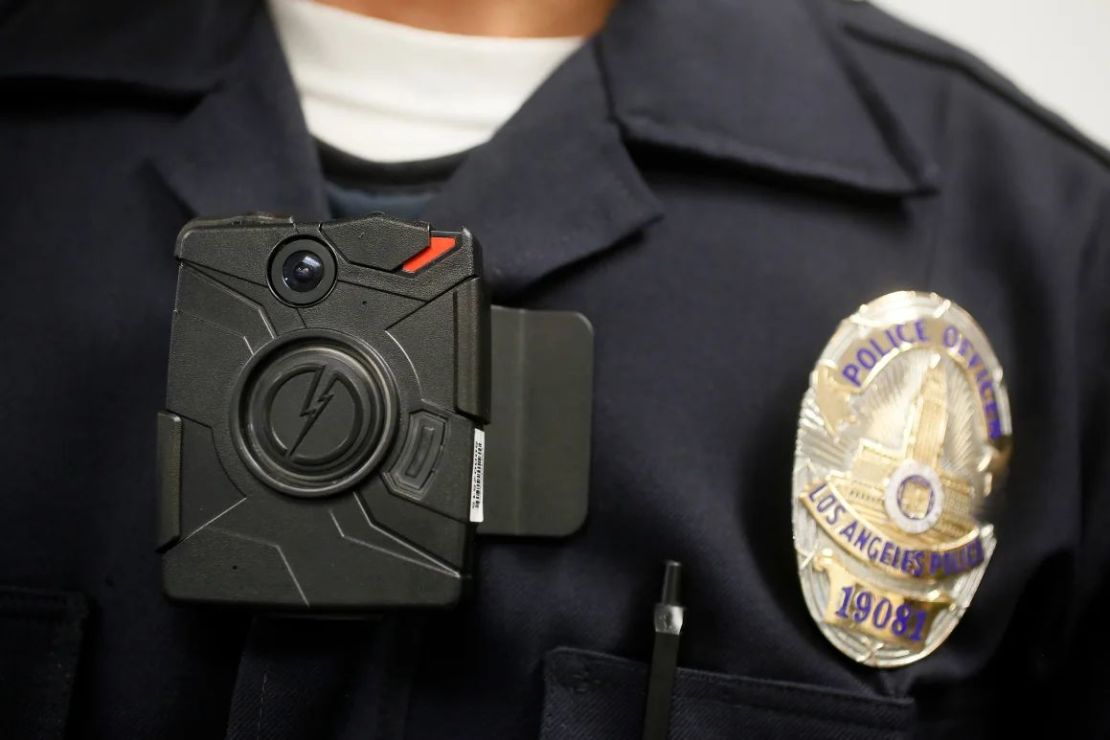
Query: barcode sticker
point(477, 476)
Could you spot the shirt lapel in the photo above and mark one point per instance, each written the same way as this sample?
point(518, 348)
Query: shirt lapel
point(173, 49)
point(245, 147)
point(553, 187)
point(765, 84)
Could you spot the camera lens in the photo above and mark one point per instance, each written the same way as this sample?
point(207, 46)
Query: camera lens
point(302, 271)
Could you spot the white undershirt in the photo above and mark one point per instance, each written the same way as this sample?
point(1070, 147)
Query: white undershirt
point(392, 93)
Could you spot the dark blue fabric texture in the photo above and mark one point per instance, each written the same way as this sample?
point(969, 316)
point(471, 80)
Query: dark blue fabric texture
point(40, 644)
point(347, 202)
point(357, 187)
point(595, 695)
point(715, 184)
point(315, 679)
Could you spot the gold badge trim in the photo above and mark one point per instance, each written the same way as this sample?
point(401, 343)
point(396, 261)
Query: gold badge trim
point(903, 433)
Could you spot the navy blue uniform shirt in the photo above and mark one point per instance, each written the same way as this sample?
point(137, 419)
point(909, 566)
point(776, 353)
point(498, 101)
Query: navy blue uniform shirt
point(715, 184)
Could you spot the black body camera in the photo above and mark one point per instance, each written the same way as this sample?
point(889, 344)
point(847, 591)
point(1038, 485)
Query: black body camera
point(324, 447)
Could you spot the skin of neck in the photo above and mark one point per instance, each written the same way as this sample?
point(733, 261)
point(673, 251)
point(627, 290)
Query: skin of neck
point(505, 18)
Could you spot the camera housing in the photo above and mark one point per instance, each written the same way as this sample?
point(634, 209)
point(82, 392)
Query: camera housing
point(327, 391)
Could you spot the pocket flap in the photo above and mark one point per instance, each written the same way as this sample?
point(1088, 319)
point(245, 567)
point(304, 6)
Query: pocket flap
point(593, 695)
point(40, 639)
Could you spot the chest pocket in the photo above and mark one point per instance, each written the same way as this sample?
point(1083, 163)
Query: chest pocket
point(40, 638)
point(591, 695)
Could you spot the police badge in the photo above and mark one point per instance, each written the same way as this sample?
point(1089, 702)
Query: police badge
point(903, 432)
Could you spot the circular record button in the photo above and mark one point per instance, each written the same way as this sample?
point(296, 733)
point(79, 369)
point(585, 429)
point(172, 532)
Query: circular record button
point(314, 414)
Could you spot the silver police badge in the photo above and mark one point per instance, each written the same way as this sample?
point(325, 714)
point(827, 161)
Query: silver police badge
point(904, 430)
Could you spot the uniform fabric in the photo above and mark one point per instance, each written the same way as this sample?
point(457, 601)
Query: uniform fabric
point(715, 184)
point(357, 187)
point(40, 641)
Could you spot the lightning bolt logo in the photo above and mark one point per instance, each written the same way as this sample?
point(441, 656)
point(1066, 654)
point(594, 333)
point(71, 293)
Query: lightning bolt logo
point(315, 401)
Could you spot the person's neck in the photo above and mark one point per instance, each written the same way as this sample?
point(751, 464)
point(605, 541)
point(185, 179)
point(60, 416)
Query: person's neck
point(511, 18)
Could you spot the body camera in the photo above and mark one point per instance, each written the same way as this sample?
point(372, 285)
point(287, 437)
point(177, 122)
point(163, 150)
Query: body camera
point(328, 384)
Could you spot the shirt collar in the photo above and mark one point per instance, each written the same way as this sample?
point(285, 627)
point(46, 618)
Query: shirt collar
point(177, 48)
point(765, 85)
point(768, 84)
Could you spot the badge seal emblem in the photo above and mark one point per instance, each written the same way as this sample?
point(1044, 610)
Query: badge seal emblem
point(903, 433)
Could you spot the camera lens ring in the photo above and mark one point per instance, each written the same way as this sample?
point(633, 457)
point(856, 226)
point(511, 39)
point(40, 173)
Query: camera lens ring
point(302, 271)
point(350, 388)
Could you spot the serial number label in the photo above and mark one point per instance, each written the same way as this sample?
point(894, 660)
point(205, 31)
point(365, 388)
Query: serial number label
point(478, 477)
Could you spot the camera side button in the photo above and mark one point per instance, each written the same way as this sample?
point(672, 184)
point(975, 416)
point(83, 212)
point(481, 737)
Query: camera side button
point(169, 472)
point(423, 442)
